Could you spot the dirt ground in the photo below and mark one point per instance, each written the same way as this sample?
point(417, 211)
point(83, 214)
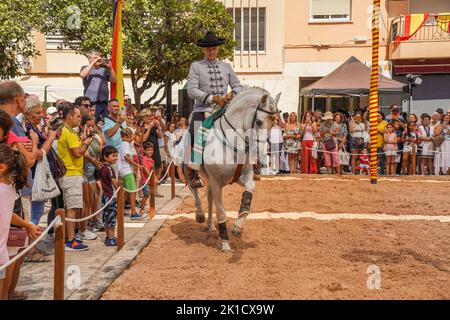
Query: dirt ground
point(347, 194)
point(304, 258)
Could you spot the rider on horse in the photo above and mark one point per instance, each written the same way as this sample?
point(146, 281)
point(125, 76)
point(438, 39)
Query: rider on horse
point(207, 84)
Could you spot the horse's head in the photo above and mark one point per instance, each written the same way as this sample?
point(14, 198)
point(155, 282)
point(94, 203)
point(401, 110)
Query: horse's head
point(266, 112)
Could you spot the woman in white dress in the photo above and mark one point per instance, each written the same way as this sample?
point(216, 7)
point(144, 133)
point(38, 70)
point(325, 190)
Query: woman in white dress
point(442, 155)
point(426, 133)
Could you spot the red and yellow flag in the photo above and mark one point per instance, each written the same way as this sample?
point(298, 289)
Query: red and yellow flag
point(117, 89)
point(413, 23)
point(443, 21)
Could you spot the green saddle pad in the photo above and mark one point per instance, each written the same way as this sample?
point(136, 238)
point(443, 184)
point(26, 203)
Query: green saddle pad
point(202, 135)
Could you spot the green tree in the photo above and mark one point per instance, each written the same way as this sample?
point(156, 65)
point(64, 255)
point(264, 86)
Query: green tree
point(158, 36)
point(18, 19)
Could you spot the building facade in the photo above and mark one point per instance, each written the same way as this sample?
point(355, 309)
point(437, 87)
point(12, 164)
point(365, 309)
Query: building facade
point(285, 45)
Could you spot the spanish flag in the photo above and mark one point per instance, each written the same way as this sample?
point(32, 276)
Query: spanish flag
point(413, 23)
point(117, 89)
point(443, 21)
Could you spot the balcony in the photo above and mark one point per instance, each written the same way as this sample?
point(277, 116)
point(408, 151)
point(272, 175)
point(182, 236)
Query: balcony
point(431, 41)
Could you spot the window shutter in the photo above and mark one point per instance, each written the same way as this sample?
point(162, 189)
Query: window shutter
point(330, 7)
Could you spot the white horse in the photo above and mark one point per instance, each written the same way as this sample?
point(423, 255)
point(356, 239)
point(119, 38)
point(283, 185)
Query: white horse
point(244, 127)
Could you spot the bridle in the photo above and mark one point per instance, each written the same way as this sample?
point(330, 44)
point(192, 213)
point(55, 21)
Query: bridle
point(258, 108)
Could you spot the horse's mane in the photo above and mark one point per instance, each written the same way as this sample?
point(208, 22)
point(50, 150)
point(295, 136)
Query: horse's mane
point(248, 90)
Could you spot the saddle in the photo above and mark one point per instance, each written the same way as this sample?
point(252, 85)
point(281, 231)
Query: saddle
point(202, 136)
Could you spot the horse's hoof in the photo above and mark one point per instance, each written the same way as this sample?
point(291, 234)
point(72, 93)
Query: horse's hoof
point(200, 219)
point(226, 247)
point(212, 230)
point(236, 231)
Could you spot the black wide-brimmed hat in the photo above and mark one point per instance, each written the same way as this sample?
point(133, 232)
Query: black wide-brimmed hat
point(210, 40)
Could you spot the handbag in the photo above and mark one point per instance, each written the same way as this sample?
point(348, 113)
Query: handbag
point(344, 157)
point(44, 186)
point(438, 140)
point(60, 167)
point(17, 237)
point(330, 144)
point(315, 148)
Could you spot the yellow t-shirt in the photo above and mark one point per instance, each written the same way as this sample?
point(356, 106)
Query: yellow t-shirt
point(381, 127)
point(69, 139)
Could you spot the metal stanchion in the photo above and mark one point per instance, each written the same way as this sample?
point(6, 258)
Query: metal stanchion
point(153, 184)
point(60, 239)
point(172, 179)
point(120, 216)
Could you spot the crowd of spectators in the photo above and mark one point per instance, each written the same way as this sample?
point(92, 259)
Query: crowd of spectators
point(340, 143)
point(84, 158)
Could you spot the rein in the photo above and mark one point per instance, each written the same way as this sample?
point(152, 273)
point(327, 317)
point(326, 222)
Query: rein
point(258, 108)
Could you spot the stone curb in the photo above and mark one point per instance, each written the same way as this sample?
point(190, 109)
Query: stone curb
point(97, 284)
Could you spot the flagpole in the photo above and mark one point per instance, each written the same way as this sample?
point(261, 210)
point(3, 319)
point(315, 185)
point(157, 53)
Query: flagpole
point(374, 92)
point(117, 89)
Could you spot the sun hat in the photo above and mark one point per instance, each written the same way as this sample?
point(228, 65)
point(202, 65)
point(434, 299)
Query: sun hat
point(51, 110)
point(328, 116)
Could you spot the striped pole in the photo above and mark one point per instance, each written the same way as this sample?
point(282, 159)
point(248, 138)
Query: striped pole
point(374, 92)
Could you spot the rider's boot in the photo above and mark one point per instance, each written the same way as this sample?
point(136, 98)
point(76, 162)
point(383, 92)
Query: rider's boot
point(256, 172)
point(194, 179)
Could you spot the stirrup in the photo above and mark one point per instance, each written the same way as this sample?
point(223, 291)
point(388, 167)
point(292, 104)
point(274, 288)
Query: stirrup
point(195, 180)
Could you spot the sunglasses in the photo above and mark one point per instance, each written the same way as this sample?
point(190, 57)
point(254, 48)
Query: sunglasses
point(87, 105)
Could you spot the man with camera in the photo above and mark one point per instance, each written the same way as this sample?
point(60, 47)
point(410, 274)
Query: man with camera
point(395, 115)
point(95, 77)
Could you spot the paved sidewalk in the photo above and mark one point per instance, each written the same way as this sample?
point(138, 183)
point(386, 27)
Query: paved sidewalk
point(36, 279)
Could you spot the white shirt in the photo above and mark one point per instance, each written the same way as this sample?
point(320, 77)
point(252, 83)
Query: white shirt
point(125, 168)
point(7, 200)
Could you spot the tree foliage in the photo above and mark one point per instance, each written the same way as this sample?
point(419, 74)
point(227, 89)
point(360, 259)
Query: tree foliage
point(158, 35)
point(18, 19)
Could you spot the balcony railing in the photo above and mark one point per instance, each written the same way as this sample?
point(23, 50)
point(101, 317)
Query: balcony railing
point(431, 30)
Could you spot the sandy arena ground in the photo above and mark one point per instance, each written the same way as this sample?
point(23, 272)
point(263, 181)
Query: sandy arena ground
point(306, 258)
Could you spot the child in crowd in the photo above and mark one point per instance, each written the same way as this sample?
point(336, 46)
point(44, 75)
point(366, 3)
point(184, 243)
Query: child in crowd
point(364, 162)
point(410, 139)
point(126, 169)
point(13, 177)
point(398, 158)
point(390, 148)
point(146, 169)
point(108, 179)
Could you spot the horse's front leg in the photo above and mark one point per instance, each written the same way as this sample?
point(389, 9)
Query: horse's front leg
point(200, 214)
point(247, 181)
point(211, 228)
point(216, 189)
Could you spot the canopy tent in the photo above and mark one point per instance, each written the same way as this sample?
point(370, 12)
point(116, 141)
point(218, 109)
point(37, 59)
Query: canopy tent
point(352, 78)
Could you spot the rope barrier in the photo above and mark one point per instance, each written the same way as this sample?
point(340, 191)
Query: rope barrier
point(167, 171)
point(353, 154)
point(115, 195)
point(97, 212)
point(143, 186)
point(55, 223)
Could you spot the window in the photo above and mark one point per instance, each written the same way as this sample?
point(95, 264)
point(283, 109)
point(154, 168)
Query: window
point(250, 32)
point(54, 41)
point(330, 10)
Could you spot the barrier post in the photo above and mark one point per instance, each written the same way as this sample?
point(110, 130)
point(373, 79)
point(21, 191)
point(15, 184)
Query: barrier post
point(152, 195)
point(120, 216)
point(172, 179)
point(413, 160)
point(60, 239)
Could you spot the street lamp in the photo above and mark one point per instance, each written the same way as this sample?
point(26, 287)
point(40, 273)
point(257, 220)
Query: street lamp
point(413, 81)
